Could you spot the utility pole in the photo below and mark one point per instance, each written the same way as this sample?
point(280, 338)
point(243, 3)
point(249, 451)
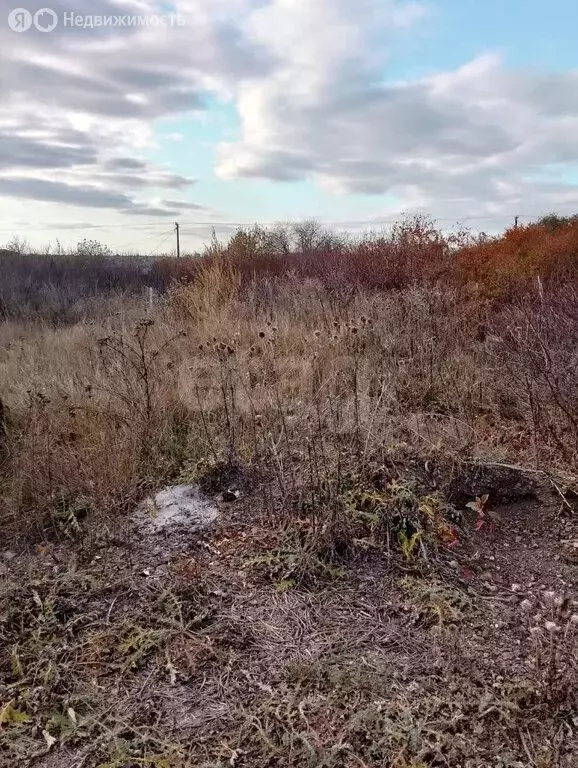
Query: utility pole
point(177, 229)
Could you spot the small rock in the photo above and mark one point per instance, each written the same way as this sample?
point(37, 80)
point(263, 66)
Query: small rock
point(230, 495)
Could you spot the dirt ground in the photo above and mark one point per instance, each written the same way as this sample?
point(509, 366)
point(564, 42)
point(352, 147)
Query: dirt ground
point(178, 650)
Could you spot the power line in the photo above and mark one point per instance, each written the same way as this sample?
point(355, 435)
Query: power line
point(153, 252)
point(136, 243)
point(73, 231)
point(378, 220)
point(228, 223)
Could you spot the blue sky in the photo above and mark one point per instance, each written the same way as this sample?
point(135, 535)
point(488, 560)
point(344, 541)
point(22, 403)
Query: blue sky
point(267, 110)
point(534, 33)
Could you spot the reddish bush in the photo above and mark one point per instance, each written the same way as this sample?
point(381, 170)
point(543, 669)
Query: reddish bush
point(413, 252)
point(504, 266)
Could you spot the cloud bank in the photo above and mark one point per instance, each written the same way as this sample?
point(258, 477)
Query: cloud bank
point(310, 84)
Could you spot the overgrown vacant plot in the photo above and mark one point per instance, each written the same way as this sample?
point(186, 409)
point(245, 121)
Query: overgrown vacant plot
point(391, 578)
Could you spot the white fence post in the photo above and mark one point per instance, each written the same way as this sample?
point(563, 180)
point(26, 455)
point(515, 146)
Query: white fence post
point(150, 299)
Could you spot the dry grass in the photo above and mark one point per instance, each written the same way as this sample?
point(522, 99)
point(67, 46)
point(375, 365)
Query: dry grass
point(282, 373)
point(337, 616)
point(203, 665)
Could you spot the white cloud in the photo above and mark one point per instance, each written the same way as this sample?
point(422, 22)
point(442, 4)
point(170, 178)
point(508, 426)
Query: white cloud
point(475, 136)
point(74, 100)
point(309, 78)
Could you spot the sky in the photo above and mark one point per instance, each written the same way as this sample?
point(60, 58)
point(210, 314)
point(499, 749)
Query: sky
point(221, 113)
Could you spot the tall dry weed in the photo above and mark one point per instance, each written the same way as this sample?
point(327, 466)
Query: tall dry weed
point(281, 370)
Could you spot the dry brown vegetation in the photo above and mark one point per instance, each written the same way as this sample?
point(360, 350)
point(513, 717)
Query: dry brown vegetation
point(345, 611)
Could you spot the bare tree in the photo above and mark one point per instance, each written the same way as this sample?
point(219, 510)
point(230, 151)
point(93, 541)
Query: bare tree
point(308, 234)
point(19, 245)
point(279, 239)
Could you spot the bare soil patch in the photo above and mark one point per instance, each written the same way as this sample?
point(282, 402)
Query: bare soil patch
point(176, 652)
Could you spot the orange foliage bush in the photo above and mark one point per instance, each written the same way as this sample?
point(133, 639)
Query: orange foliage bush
point(503, 266)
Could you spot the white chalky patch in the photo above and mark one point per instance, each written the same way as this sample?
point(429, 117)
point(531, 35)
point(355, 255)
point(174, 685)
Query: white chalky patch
point(180, 506)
